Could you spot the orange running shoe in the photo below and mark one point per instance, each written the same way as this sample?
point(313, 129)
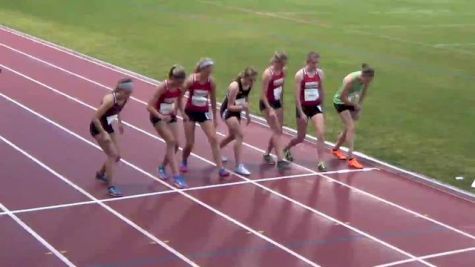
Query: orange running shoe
point(338, 154)
point(353, 163)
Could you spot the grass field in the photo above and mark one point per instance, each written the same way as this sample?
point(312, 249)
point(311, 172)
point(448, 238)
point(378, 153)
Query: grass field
point(420, 112)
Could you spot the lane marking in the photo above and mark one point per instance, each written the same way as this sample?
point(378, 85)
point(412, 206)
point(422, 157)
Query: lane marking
point(430, 182)
point(205, 160)
point(454, 44)
point(225, 216)
point(390, 26)
point(196, 188)
point(111, 210)
point(430, 256)
point(38, 237)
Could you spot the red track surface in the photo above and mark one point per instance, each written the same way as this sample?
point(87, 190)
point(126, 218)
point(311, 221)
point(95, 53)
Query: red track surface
point(59, 216)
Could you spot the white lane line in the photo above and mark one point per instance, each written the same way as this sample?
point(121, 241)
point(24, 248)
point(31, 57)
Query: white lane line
point(411, 26)
point(111, 210)
point(405, 41)
point(380, 199)
point(266, 14)
point(430, 256)
point(242, 177)
point(430, 182)
point(454, 44)
point(183, 193)
point(252, 147)
point(323, 25)
point(37, 236)
point(196, 188)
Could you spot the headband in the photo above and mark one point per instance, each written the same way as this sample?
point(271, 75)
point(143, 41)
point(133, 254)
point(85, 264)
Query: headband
point(126, 86)
point(206, 63)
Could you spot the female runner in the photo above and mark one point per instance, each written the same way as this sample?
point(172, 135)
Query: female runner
point(162, 107)
point(103, 132)
point(271, 105)
point(236, 101)
point(201, 88)
point(309, 96)
point(348, 101)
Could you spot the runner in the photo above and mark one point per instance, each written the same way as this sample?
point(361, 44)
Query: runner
point(270, 105)
point(235, 102)
point(348, 102)
point(309, 96)
point(103, 132)
point(201, 88)
point(162, 107)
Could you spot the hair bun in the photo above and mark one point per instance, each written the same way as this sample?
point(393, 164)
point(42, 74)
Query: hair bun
point(364, 66)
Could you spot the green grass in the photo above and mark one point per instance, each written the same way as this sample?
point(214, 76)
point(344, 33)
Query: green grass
point(420, 111)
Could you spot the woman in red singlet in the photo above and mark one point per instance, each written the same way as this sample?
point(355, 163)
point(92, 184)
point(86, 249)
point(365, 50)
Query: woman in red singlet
point(201, 88)
point(271, 105)
point(309, 96)
point(162, 107)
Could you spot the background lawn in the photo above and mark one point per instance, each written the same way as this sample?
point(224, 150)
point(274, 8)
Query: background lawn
point(420, 113)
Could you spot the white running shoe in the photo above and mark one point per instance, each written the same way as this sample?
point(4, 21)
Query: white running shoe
point(240, 169)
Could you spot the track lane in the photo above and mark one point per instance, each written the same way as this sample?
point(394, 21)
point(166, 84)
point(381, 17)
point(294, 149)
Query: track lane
point(143, 144)
point(379, 187)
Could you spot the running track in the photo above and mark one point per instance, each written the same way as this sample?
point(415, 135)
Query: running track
point(53, 213)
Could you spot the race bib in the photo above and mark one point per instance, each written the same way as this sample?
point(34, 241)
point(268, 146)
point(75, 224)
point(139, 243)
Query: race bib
point(240, 101)
point(112, 118)
point(354, 98)
point(311, 94)
point(277, 93)
point(167, 108)
point(199, 98)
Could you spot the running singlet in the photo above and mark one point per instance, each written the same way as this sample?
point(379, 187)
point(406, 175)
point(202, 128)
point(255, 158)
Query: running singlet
point(240, 96)
point(166, 102)
point(355, 91)
point(111, 114)
point(310, 89)
point(198, 100)
point(274, 88)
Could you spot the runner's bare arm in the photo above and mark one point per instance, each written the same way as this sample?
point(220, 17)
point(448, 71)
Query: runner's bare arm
point(233, 90)
point(346, 92)
point(298, 82)
point(213, 98)
point(265, 82)
point(151, 104)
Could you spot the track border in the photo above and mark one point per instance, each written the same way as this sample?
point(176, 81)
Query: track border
point(368, 194)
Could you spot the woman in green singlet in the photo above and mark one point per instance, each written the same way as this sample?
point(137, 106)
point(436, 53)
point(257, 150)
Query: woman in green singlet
point(348, 101)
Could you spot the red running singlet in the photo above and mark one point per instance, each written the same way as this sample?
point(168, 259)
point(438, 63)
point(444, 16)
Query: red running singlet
point(310, 89)
point(166, 103)
point(274, 88)
point(198, 100)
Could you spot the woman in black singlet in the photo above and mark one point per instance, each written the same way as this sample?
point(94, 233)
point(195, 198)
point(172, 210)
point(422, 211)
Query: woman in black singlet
point(236, 101)
point(101, 129)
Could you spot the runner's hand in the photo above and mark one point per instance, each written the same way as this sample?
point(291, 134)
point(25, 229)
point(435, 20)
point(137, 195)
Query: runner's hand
point(248, 117)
